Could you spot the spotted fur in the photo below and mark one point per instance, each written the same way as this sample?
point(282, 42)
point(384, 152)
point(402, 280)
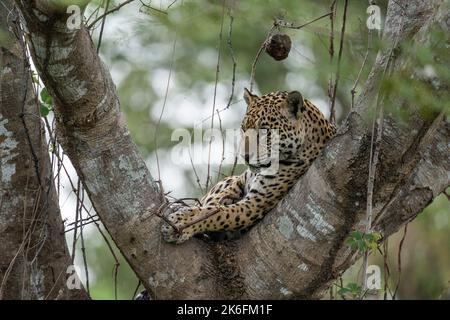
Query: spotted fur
point(238, 202)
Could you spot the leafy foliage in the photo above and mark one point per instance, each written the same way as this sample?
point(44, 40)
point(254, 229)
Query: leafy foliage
point(362, 242)
point(352, 290)
point(46, 104)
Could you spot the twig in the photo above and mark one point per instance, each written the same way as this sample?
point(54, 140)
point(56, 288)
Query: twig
point(136, 290)
point(84, 219)
point(387, 272)
point(117, 8)
point(399, 261)
point(103, 26)
point(220, 111)
point(179, 230)
point(195, 172)
point(233, 80)
point(255, 61)
point(159, 214)
point(297, 51)
point(332, 17)
point(181, 200)
point(234, 165)
point(152, 8)
point(116, 272)
point(83, 248)
point(353, 90)
point(208, 177)
point(166, 94)
point(82, 224)
point(223, 147)
point(173, 2)
point(283, 24)
point(331, 50)
point(70, 180)
point(206, 216)
point(336, 80)
point(77, 212)
point(94, 12)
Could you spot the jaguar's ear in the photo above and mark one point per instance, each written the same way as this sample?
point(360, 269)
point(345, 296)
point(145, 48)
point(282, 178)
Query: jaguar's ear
point(249, 97)
point(294, 103)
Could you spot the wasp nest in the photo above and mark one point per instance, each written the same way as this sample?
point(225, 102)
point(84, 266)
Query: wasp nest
point(278, 46)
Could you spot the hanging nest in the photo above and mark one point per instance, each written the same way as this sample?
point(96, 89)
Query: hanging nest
point(278, 46)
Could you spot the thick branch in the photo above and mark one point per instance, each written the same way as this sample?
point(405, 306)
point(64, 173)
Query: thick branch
point(302, 240)
point(34, 258)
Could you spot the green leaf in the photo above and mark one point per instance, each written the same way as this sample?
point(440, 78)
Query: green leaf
point(357, 235)
point(45, 97)
point(354, 241)
point(44, 110)
point(355, 289)
point(371, 240)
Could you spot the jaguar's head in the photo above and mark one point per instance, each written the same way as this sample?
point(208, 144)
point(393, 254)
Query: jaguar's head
point(270, 129)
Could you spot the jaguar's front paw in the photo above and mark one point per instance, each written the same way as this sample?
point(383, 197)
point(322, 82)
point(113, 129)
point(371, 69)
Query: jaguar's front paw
point(176, 231)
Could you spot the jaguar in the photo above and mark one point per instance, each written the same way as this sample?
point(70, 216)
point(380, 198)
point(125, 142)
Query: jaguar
point(282, 134)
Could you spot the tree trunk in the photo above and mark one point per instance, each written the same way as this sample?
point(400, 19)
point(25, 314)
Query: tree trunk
point(34, 258)
point(298, 249)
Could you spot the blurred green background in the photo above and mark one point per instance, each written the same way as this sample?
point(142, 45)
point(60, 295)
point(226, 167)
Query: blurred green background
point(143, 46)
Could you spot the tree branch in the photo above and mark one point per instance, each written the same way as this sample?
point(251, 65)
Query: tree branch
point(302, 240)
point(34, 257)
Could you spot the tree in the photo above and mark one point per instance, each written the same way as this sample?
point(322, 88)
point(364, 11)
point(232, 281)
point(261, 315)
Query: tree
point(304, 245)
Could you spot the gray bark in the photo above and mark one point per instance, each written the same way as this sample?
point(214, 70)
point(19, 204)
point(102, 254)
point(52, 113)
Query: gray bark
point(34, 258)
point(298, 249)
